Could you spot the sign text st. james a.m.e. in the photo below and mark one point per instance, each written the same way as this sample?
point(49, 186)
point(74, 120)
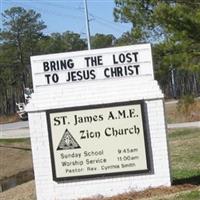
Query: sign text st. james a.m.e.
point(97, 123)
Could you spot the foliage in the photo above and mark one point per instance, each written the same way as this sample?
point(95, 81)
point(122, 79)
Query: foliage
point(175, 26)
point(139, 13)
point(157, 17)
point(185, 104)
point(102, 41)
point(21, 31)
point(18, 40)
point(126, 39)
point(57, 42)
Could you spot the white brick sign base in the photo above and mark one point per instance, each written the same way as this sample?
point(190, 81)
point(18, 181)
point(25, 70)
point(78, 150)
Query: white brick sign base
point(94, 93)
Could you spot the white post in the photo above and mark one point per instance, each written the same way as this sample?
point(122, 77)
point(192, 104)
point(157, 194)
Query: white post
point(87, 24)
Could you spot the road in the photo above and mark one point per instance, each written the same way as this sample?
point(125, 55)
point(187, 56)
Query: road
point(16, 125)
point(185, 125)
point(14, 130)
point(21, 129)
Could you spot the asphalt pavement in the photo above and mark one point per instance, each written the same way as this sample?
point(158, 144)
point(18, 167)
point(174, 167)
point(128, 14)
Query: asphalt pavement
point(15, 125)
point(14, 130)
point(185, 125)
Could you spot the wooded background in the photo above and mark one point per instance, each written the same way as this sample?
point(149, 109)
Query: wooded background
point(173, 28)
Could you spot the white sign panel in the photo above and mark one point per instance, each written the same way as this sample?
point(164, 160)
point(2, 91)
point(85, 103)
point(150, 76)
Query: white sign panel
point(101, 64)
point(94, 141)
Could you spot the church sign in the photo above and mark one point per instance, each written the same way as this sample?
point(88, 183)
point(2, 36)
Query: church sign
point(97, 123)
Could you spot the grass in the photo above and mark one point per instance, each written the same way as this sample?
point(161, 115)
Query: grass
point(15, 157)
point(185, 195)
point(193, 195)
point(185, 154)
point(176, 134)
point(17, 140)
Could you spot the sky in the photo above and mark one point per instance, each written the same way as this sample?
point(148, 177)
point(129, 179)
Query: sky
point(69, 15)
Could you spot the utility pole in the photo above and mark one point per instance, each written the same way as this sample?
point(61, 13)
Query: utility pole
point(173, 83)
point(172, 77)
point(87, 24)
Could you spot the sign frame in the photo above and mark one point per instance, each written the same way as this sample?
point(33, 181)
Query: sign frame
point(147, 142)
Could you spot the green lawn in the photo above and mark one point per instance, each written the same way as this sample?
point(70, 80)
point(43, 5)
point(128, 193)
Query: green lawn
point(184, 146)
point(17, 140)
point(185, 195)
point(184, 149)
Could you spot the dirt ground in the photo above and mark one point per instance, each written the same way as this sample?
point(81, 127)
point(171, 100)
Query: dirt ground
point(174, 115)
point(26, 191)
point(15, 157)
point(9, 118)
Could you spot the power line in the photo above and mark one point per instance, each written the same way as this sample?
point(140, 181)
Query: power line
point(60, 6)
point(100, 20)
point(80, 8)
point(107, 24)
point(51, 12)
point(103, 23)
point(107, 21)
